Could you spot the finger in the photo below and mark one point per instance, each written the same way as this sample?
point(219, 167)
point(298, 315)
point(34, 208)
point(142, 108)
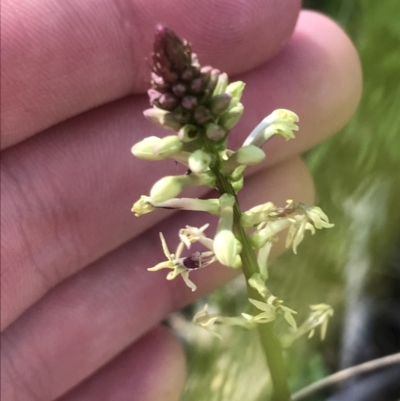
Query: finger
point(152, 369)
point(62, 58)
point(94, 315)
point(60, 215)
point(317, 75)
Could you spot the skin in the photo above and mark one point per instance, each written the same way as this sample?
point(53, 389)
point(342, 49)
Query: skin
point(78, 309)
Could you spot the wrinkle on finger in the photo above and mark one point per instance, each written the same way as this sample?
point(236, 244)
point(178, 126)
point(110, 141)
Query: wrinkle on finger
point(60, 59)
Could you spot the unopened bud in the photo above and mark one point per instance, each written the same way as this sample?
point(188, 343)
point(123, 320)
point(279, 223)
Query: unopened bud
point(182, 116)
point(237, 174)
point(171, 186)
point(206, 70)
point(235, 89)
point(154, 95)
point(166, 188)
point(195, 61)
point(169, 121)
point(181, 157)
point(158, 82)
point(225, 222)
point(167, 101)
point(188, 133)
point(189, 102)
point(220, 103)
point(162, 118)
point(237, 185)
point(189, 73)
point(144, 149)
point(231, 117)
point(198, 85)
point(171, 54)
point(199, 161)
point(238, 263)
point(168, 146)
point(202, 115)
point(142, 206)
point(179, 89)
point(154, 115)
point(213, 80)
point(249, 155)
point(215, 132)
point(222, 83)
point(244, 156)
point(226, 248)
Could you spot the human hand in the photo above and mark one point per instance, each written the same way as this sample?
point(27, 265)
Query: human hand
point(79, 309)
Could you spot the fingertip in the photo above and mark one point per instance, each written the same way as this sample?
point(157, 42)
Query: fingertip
point(335, 51)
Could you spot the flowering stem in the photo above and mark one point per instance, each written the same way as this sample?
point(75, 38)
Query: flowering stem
point(269, 342)
point(201, 106)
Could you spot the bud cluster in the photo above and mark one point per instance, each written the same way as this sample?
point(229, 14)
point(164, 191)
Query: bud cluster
point(188, 98)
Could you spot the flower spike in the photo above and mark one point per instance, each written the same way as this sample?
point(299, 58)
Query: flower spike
point(200, 105)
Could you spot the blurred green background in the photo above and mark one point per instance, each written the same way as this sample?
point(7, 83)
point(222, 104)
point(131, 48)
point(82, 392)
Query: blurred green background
point(357, 175)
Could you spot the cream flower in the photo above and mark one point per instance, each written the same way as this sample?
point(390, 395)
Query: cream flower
point(142, 206)
point(146, 204)
point(317, 216)
point(182, 266)
point(297, 229)
point(257, 214)
point(267, 315)
point(190, 235)
point(269, 309)
point(313, 218)
point(280, 122)
point(260, 237)
point(319, 317)
point(297, 219)
point(208, 320)
point(262, 259)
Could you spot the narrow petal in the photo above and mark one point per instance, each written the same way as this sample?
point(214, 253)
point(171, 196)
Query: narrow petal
point(188, 282)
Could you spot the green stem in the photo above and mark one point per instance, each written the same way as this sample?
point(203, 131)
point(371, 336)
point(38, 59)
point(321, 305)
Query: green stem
point(269, 342)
